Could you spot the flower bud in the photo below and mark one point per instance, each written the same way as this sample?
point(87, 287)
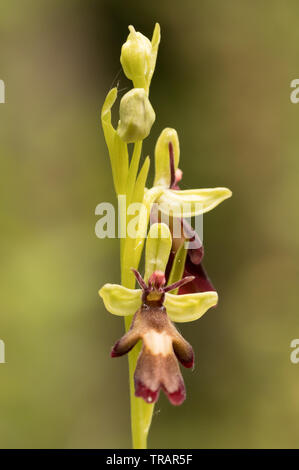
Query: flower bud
point(136, 116)
point(135, 58)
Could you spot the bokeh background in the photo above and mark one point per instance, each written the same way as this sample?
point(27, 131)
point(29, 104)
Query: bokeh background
point(223, 81)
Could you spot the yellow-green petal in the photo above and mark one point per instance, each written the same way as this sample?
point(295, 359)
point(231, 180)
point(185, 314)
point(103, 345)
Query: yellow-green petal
point(178, 266)
point(150, 196)
point(119, 300)
point(189, 307)
point(158, 246)
point(191, 202)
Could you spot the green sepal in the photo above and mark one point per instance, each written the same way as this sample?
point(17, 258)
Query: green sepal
point(119, 300)
point(189, 307)
point(191, 202)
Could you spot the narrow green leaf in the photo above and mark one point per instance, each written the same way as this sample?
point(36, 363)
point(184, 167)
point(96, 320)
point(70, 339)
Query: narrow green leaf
point(121, 158)
point(133, 169)
point(108, 103)
point(110, 133)
point(141, 181)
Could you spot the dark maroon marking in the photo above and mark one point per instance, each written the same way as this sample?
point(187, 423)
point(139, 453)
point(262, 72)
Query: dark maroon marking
point(139, 279)
point(172, 167)
point(187, 360)
point(196, 252)
point(116, 354)
point(178, 284)
point(187, 364)
point(201, 283)
point(144, 392)
point(176, 398)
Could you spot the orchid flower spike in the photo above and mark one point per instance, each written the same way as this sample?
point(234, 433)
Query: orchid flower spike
point(171, 267)
point(155, 309)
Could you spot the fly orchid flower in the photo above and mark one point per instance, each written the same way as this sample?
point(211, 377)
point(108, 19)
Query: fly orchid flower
point(155, 308)
point(179, 204)
point(170, 201)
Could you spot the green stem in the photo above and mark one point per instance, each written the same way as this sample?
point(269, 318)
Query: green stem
point(141, 412)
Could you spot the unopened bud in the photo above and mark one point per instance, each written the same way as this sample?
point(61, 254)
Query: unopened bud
point(136, 58)
point(136, 116)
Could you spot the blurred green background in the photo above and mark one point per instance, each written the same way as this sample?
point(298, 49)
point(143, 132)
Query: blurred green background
point(223, 81)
